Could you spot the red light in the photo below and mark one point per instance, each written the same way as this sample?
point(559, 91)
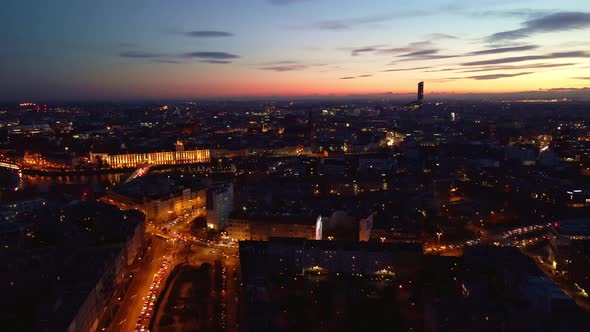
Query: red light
point(556, 224)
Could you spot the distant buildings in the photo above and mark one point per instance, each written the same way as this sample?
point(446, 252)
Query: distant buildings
point(577, 198)
point(29, 130)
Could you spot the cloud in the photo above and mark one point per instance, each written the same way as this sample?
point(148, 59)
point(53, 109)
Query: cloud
point(139, 55)
point(504, 50)
point(211, 55)
point(285, 2)
point(497, 76)
point(440, 70)
point(353, 77)
point(292, 67)
point(420, 53)
point(566, 89)
point(383, 50)
point(367, 49)
point(560, 21)
point(406, 69)
point(410, 48)
point(439, 36)
point(288, 65)
point(429, 54)
point(557, 55)
point(504, 60)
point(208, 34)
point(508, 67)
point(128, 45)
point(520, 13)
point(216, 62)
point(582, 78)
point(281, 62)
point(425, 50)
point(207, 57)
point(169, 61)
point(347, 23)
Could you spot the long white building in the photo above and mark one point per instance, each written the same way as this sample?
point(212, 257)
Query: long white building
point(152, 158)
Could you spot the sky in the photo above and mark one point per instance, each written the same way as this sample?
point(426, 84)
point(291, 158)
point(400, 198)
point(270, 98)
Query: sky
point(146, 49)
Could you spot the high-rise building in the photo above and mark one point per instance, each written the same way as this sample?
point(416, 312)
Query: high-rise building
point(220, 202)
point(420, 91)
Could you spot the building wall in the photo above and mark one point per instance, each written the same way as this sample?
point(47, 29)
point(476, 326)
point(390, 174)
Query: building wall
point(152, 158)
point(241, 230)
point(365, 228)
point(135, 243)
point(159, 210)
point(262, 259)
point(220, 203)
point(92, 309)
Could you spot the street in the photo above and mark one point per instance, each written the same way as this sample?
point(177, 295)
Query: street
point(131, 304)
point(171, 245)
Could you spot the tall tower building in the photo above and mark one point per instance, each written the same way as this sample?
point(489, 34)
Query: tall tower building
point(420, 91)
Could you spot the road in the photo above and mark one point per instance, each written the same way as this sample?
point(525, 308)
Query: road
point(518, 237)
point(144, 285)
point(132, 303)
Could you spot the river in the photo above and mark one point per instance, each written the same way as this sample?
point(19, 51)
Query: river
point(100, 182)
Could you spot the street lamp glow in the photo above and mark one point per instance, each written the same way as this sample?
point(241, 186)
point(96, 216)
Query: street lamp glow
point(438, 234)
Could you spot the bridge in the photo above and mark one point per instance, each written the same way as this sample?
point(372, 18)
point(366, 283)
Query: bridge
point(138, 173)
point(9, 165)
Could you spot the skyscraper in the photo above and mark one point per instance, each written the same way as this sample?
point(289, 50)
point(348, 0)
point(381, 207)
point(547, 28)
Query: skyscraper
point(420, 91)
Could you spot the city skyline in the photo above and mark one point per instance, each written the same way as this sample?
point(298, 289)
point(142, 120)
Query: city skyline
point(183, 49)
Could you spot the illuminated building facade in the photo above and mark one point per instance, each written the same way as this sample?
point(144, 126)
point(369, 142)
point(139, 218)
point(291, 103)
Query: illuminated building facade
point(152, 158)
point(36, 160)
point(263, 228)
point(159, 209)
point(159, 197)
point(30, 130)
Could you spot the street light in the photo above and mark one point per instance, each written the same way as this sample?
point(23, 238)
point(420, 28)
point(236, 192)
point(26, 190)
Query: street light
point(438, 234)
